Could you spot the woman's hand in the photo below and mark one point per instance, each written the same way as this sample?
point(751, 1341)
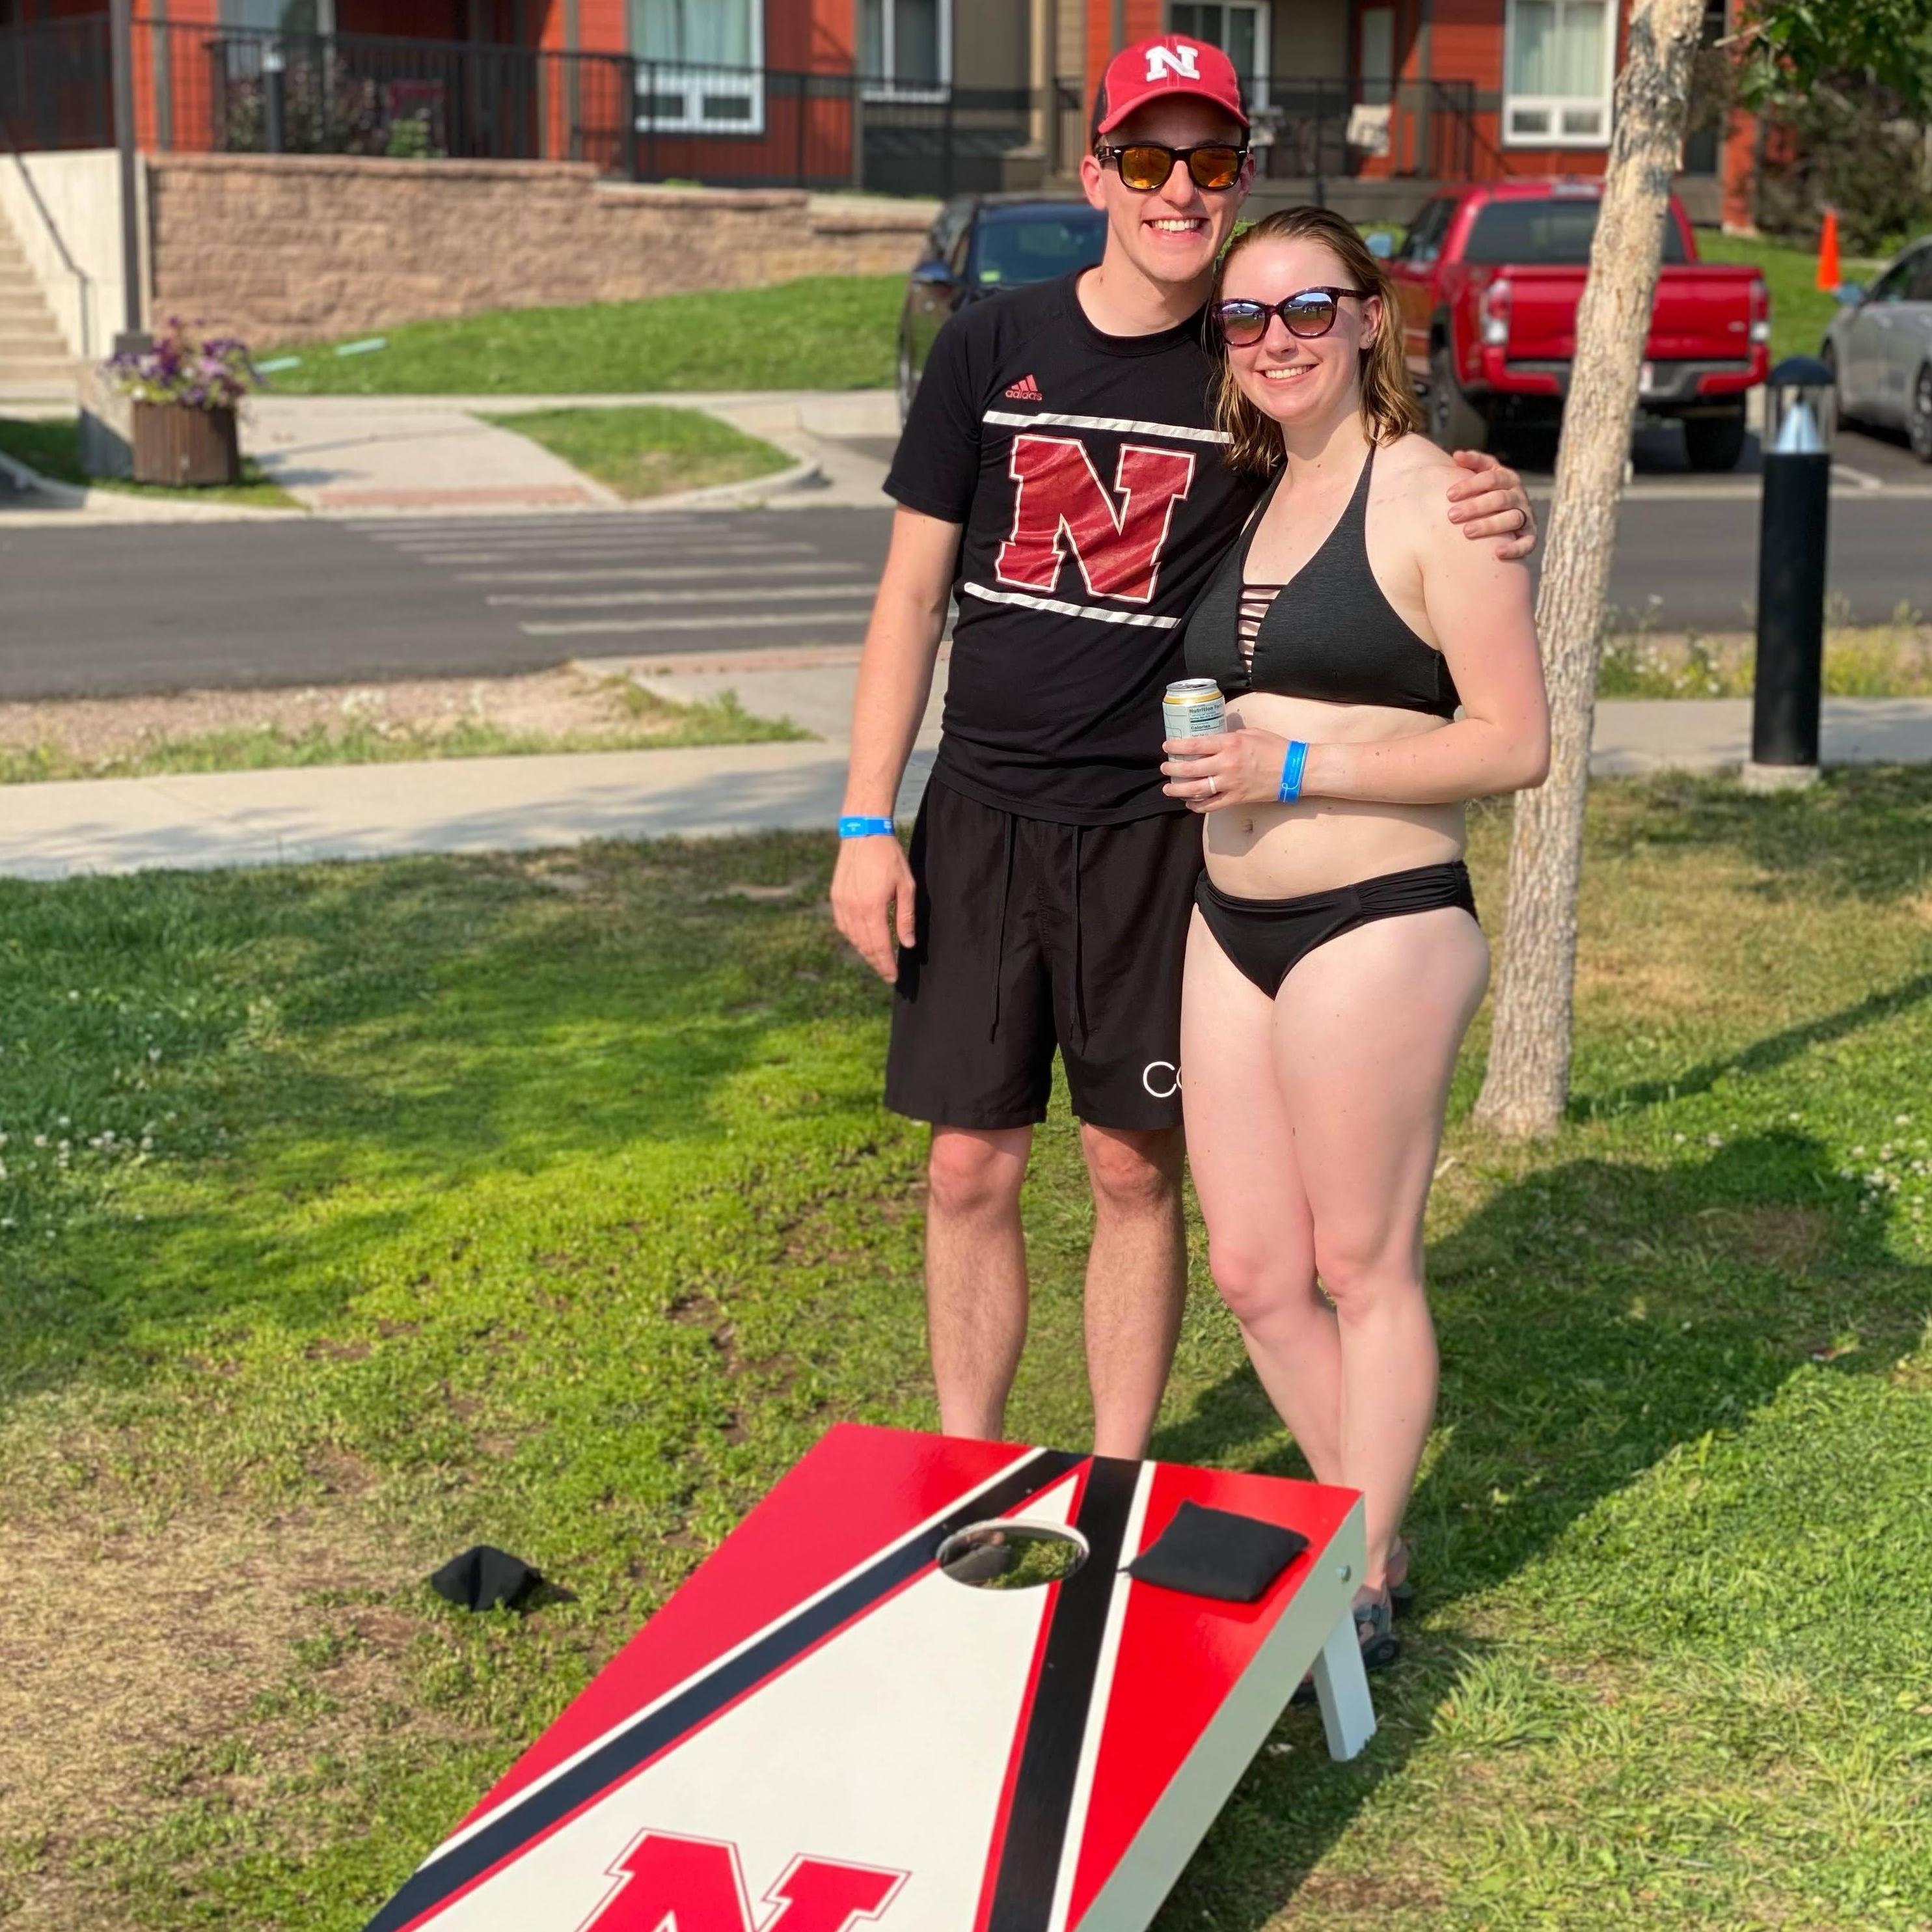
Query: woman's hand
point(1239, 767)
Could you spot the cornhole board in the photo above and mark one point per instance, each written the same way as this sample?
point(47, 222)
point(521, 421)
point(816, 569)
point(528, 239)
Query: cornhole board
point(821, 1729)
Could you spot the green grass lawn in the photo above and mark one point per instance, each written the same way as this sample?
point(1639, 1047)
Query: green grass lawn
point(352, 1214)
point(649, 451)
point(50, 445)
point(1799, 309)
point(824, 332)
point(657, 724)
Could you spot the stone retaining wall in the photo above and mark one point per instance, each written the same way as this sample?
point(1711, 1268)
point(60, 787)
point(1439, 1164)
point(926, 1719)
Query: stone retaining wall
point(279, 248)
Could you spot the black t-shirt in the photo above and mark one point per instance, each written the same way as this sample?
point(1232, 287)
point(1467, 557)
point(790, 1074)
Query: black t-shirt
point(1088, 475)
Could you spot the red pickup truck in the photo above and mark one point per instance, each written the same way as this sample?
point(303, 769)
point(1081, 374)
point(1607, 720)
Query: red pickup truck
point(1489, 278)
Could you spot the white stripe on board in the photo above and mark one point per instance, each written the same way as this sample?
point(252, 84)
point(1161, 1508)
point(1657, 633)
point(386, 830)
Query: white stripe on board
point(718, 1663)
point(1097, 1707)
point(1060, 608)
point(1125, 425)
point(718, 620)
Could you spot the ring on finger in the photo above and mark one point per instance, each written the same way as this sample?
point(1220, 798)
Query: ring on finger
point(1213, 786)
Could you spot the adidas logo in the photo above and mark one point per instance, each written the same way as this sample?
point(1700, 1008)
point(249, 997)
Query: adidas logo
point(1026, 390)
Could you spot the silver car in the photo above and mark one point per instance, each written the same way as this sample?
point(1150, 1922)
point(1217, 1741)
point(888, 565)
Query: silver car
point(1879, 348)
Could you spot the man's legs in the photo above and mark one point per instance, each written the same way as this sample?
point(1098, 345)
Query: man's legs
point(976, 1278)
point(1136, 1279)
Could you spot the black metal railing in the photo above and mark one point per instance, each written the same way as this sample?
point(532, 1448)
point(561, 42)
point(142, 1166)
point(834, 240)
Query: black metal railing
point(202, 88)
point(56, 88)
point(1329, 130)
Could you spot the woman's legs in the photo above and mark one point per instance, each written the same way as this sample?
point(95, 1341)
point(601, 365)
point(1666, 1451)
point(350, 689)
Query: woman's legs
point(1261, 1242)
point(1365, 1032)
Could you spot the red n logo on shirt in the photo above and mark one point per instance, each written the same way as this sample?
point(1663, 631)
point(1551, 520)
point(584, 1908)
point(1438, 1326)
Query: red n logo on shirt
point(672, 1884)
point(1060, 505)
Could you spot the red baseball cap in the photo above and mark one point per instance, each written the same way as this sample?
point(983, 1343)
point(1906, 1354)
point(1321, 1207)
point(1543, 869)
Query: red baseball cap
point(1157, 70)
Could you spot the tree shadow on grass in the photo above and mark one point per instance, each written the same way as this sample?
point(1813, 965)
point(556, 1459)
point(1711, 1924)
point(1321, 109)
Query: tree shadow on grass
point(1762, 1056)
point(340, 1046)
point(1861, 834)
point(1593, 1317)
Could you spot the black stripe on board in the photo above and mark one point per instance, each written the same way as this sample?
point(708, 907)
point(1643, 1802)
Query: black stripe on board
point(527, 1818)
point(1057, 1727)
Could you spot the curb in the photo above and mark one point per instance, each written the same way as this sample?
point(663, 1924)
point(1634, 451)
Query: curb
point(803, 475)
point(111, 506)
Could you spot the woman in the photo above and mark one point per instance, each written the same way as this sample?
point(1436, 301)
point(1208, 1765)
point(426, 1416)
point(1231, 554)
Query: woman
point(1381, 672)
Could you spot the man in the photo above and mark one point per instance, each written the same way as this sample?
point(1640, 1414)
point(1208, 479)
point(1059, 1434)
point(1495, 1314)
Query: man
point(1060, 469)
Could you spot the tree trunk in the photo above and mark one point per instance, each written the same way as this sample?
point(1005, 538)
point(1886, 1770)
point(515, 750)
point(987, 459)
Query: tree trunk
point(1528, 1076)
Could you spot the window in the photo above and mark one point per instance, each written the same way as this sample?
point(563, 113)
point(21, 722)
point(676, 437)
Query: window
point(1424, 241)
point(1559, 63)
point(1016, 249)
point(1547, 234)
point(697, 65)
point(1239, 28)
point(905, 46)
point(1921, 288)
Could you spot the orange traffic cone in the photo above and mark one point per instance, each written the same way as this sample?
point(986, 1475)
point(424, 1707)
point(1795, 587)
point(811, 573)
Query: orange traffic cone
point(1829, 276)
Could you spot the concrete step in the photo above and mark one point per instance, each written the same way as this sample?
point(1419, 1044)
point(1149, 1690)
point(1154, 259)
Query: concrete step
point(25, 325)
point(34, 369)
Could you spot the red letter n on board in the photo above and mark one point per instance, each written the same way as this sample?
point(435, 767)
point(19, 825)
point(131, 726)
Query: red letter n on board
point(673, 1884)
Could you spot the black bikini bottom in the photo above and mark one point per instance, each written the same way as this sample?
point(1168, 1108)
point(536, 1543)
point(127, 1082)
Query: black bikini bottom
point(1267, 939)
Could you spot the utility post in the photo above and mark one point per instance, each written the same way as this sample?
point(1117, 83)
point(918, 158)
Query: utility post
point(133, 339)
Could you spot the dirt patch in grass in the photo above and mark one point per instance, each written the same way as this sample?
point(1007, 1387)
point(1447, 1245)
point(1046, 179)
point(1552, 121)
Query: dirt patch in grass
point(1791, 1240)
point(565, 709)
point(129, 1651)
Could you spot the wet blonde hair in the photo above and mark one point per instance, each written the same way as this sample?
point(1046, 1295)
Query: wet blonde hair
point(1389, 407)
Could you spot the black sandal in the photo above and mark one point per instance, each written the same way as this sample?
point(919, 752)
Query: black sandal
point(1402, 1596)
point(1380, 1646)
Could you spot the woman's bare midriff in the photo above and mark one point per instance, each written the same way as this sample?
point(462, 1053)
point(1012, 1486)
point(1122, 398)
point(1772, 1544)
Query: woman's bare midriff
point(1280, 851)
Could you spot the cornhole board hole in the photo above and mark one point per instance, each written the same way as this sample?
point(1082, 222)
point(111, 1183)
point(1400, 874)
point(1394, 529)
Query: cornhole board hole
point(823, 1728)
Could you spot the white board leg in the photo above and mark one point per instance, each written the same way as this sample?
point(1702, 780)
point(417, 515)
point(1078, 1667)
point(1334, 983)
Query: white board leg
point(1341, 1689)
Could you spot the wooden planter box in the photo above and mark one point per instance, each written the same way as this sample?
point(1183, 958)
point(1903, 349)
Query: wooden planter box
point(184, 447)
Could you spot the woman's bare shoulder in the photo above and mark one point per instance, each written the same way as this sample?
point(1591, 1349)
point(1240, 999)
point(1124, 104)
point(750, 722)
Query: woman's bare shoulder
point(1416, 466)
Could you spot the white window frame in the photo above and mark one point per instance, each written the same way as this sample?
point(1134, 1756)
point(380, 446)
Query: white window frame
point(1262, 10)
point(1557, 105)
point(665, 77)
point(895, 89)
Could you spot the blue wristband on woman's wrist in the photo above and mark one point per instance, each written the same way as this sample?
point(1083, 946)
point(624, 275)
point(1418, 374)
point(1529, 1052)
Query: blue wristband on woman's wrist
point(854, 826)
point(1291, 771)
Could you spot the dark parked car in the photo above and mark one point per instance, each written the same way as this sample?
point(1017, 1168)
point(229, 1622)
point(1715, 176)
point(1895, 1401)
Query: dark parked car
point(981, 244)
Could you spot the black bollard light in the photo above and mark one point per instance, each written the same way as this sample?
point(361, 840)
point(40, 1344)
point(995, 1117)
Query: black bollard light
point(1792, 529)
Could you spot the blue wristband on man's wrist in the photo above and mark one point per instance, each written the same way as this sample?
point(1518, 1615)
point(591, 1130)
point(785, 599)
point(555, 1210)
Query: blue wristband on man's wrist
point(1291, 771)
point(856, 827)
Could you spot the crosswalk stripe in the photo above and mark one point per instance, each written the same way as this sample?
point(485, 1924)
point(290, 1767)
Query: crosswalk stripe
point(666, 574)
point(581, 574)
point(753, 593)
point(751, 621)
point(402, 530)
point(534, 552)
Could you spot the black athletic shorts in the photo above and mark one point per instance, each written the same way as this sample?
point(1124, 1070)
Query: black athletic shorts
point(1034, 935)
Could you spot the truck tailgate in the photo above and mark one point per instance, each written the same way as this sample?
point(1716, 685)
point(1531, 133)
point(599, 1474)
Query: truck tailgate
point(1702, 313)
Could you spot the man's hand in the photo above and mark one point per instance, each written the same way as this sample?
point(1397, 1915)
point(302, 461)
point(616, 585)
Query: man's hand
point(872, 898)
point(1489, 502)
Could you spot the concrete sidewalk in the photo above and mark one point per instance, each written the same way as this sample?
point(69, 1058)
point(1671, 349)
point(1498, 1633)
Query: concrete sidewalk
point(480, 805)
point(418, 455)
point(415, 456)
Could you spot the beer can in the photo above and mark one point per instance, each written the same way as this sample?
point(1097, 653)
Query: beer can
point(1193, 707)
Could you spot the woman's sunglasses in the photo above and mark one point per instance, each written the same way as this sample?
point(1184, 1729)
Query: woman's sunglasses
point(1145, 166)
point(1311, 313)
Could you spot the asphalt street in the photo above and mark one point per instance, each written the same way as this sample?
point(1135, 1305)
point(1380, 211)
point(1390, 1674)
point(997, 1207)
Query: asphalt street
point(102, 610)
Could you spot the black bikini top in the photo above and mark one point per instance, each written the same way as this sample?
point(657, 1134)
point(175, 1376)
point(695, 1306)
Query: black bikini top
point(1337, 637)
